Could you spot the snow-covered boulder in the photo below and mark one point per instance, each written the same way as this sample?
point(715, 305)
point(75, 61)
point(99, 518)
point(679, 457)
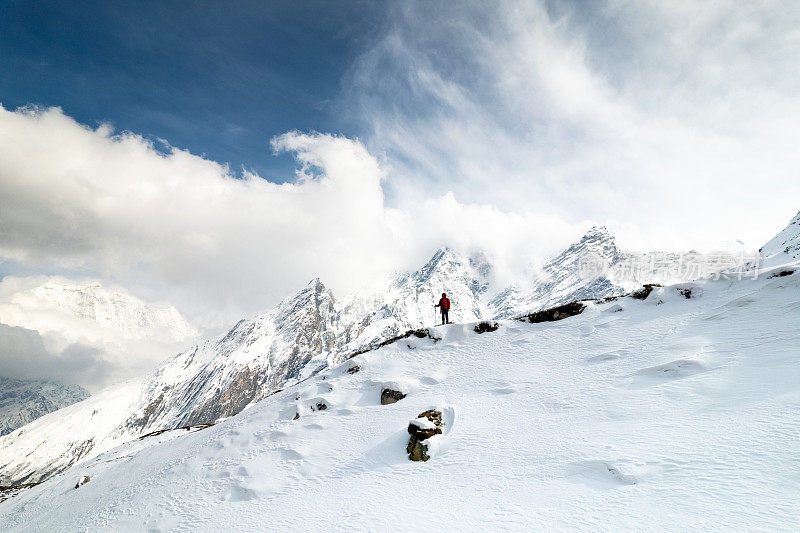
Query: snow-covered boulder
point(420, 429)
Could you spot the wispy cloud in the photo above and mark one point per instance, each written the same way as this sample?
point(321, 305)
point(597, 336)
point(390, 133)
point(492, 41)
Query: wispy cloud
point(673, 123)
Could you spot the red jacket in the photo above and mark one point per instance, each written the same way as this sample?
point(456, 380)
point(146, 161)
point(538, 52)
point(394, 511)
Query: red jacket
point(444, 303)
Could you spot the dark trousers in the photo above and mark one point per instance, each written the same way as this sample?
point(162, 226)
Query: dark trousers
point(445, 318)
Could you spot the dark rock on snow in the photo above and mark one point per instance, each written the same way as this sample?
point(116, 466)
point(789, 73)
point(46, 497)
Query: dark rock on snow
point(391, 396)
point(425, 426)
point(554, 313)
point(485, 327)
point(644, 292)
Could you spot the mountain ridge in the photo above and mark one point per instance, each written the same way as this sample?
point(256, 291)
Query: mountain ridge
point(304, 334)
point(24, 400)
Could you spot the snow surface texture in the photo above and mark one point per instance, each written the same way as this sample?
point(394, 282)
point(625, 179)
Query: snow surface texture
point(671, 413)
point(22, 401)
point(304, 335)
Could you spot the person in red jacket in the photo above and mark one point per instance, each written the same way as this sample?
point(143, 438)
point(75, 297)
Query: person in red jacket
point(444, 305)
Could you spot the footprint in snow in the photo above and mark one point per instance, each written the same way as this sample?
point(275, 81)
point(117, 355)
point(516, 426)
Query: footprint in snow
point(600, 475)
point(288, 454)
point(237, 492)
point(678, 369)
point(607, 356)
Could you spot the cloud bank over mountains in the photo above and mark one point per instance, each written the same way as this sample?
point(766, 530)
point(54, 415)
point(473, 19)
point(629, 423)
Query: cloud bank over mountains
point(186, 229)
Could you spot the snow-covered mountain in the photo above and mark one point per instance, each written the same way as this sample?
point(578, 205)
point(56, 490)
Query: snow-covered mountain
point(594, 267)
point(676, 412)
point(121, 334)
point(22, 401)
point(784, 248)
point(85, 309)
point(304, 335)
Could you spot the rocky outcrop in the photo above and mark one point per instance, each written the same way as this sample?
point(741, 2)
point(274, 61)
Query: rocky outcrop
point(644, 292)
point(554, 313)
point(391, 396)
point(422, 428)
point(485, 327)
point(418, 333)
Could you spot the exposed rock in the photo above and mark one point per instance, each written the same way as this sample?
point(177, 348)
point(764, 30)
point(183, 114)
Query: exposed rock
point(554, 313)
point(9, 491)
point(353, 369)
point(687, 293)
point(425, 426)
point(22, 401)
point(391, 396)
point(419, 333)
point(82, 481)
point(296, 416)
point(644, 292)
point(781, 274)
point(485, 327)
point(321, 406)
point(187, 428)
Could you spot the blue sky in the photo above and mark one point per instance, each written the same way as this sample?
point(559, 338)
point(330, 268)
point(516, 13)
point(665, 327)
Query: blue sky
point(216, 78)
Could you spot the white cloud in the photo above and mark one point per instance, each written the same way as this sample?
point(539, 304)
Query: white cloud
point(180, 228)
point(672, 123)
point(23, 355)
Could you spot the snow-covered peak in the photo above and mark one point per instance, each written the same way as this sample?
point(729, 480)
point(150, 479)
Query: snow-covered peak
point(109, 309)
point(597, 241)
point(784, 248)
point(598, 233)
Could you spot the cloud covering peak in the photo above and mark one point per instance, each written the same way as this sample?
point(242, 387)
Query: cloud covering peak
point(179, 227)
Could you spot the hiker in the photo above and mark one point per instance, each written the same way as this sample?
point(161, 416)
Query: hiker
point(444, 304)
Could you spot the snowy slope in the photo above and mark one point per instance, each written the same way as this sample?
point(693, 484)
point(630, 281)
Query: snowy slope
point(670, 413)
point(784, 248)
point(304, 335)
point(22, 401)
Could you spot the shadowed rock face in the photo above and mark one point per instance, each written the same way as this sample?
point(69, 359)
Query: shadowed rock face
point(555, 313)
point(273, 348)
point(644, 291)
point(486, 327)
point(23, 401)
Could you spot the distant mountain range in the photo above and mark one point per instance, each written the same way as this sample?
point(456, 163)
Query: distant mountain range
point(23, 401)
point(89, 309)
